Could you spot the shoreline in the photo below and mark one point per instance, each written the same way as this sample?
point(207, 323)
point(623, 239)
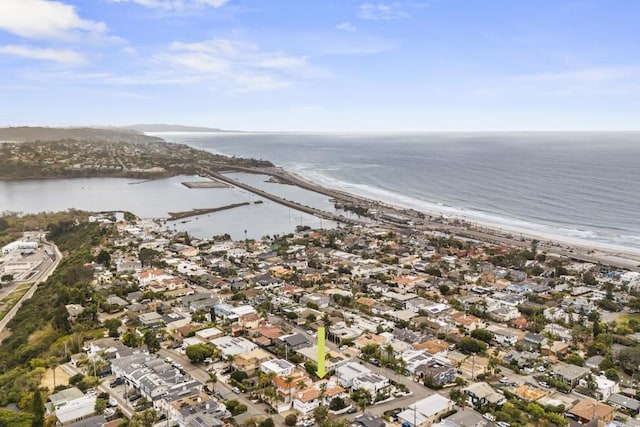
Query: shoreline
point(596, 253)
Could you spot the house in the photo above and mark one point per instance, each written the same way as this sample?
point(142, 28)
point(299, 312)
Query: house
point(521, 359)
point(504, 336)
point(294, 341)
point(71, 405)
point(557, 348)
point(371, 382)
point(279, 367)
point(569, 374)
point(587, 410)
point(250, 362)
point(594, 362)
point(626, 404)
point(426, 411)
point(368, 420)
point(481, 393)
point(347, 373)
point(321, 301)
point(534, 341)
point(604, 386)
point(231, 346)
point(150, 319)
point(469, 321)
point(208, 334)
point(306, 400)
point(440, 373)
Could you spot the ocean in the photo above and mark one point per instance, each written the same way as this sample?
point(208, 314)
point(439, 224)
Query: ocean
point(578, 188)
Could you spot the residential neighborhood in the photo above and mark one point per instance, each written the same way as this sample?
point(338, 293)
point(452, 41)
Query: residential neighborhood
point(421, 329)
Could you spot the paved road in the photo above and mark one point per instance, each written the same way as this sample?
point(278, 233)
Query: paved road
point(198, 372)
point(123, 405)
point(42, 275)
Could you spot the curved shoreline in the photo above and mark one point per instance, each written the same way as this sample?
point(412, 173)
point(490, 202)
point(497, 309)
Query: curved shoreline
point(486, 232)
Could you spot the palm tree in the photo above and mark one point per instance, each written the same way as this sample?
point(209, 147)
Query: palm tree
point(53, 364)
point(213, 379)
point(289, 381)
point(390, 352)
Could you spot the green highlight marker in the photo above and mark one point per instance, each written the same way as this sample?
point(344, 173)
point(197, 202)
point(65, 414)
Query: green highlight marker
point(321, 353)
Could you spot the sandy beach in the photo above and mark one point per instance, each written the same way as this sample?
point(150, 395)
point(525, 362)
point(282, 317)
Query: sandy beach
point(610, 255)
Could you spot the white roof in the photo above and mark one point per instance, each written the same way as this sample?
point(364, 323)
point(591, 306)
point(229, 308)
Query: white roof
point(424, 409)
point(352, 370)
point(76, 409)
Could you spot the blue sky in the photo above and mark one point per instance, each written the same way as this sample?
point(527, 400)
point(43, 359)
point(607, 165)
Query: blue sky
point(331, 65)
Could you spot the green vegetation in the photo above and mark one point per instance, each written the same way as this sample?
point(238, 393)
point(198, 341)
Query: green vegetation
point(72, 153)
point(40, 329)
point(12, 299)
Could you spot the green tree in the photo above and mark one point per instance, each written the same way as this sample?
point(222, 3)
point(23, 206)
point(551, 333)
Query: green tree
point(268, 422)
point(575, 359)
point(471, 345)
point(337, 403)
point(152, 342)
point(101, 405)
point(362, 397)
point(104, 258)
point(37, 409)
point(482, 335)
point(320, 414)
point(145, 418)
point(131, 339)
point(291, 420)
point(112, 325)
point(198, 352)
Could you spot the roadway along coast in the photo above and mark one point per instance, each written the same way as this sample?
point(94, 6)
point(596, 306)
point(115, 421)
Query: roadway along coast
point(426, 221)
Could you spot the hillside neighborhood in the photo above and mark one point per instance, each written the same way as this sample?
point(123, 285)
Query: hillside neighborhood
point(422, 329)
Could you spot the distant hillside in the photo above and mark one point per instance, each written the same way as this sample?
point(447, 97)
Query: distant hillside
point(170, 128)
point(21, 134)
point(37, 153)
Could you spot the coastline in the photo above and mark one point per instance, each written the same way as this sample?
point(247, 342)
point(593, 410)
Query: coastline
point(596, 253)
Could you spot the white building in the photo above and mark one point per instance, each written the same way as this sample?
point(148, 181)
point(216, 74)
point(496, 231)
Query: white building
point(279, 367)
point(425, 412)
point(371, 382)
point(231, 346)
point(347, 373)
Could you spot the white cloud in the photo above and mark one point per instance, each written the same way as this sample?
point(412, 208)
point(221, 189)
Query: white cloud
point(346, 26)
point(44, 19)
point(381, 11)
point(236, 65)
point(613, 79)
point(65, 56)
point(174, 4)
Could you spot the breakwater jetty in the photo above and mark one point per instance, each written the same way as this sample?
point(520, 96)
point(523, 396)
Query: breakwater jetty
point(289, 203)
point(173, 216)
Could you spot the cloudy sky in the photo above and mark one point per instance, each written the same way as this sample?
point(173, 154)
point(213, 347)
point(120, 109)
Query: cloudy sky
point(329, 65)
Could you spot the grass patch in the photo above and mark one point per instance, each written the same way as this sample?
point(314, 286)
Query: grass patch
point(623, 319)
point(12, 299)
point(38, 335)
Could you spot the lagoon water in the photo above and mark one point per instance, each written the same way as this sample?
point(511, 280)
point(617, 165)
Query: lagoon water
point(577, 187)
point(154, 199)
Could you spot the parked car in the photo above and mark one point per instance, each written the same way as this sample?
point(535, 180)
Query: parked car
point(503, 424)
point(236, 390)
point(504, 380)
point(543, 384)
point(489, 416)
point(352, 410)
point(541, 369)
point(116, 382)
